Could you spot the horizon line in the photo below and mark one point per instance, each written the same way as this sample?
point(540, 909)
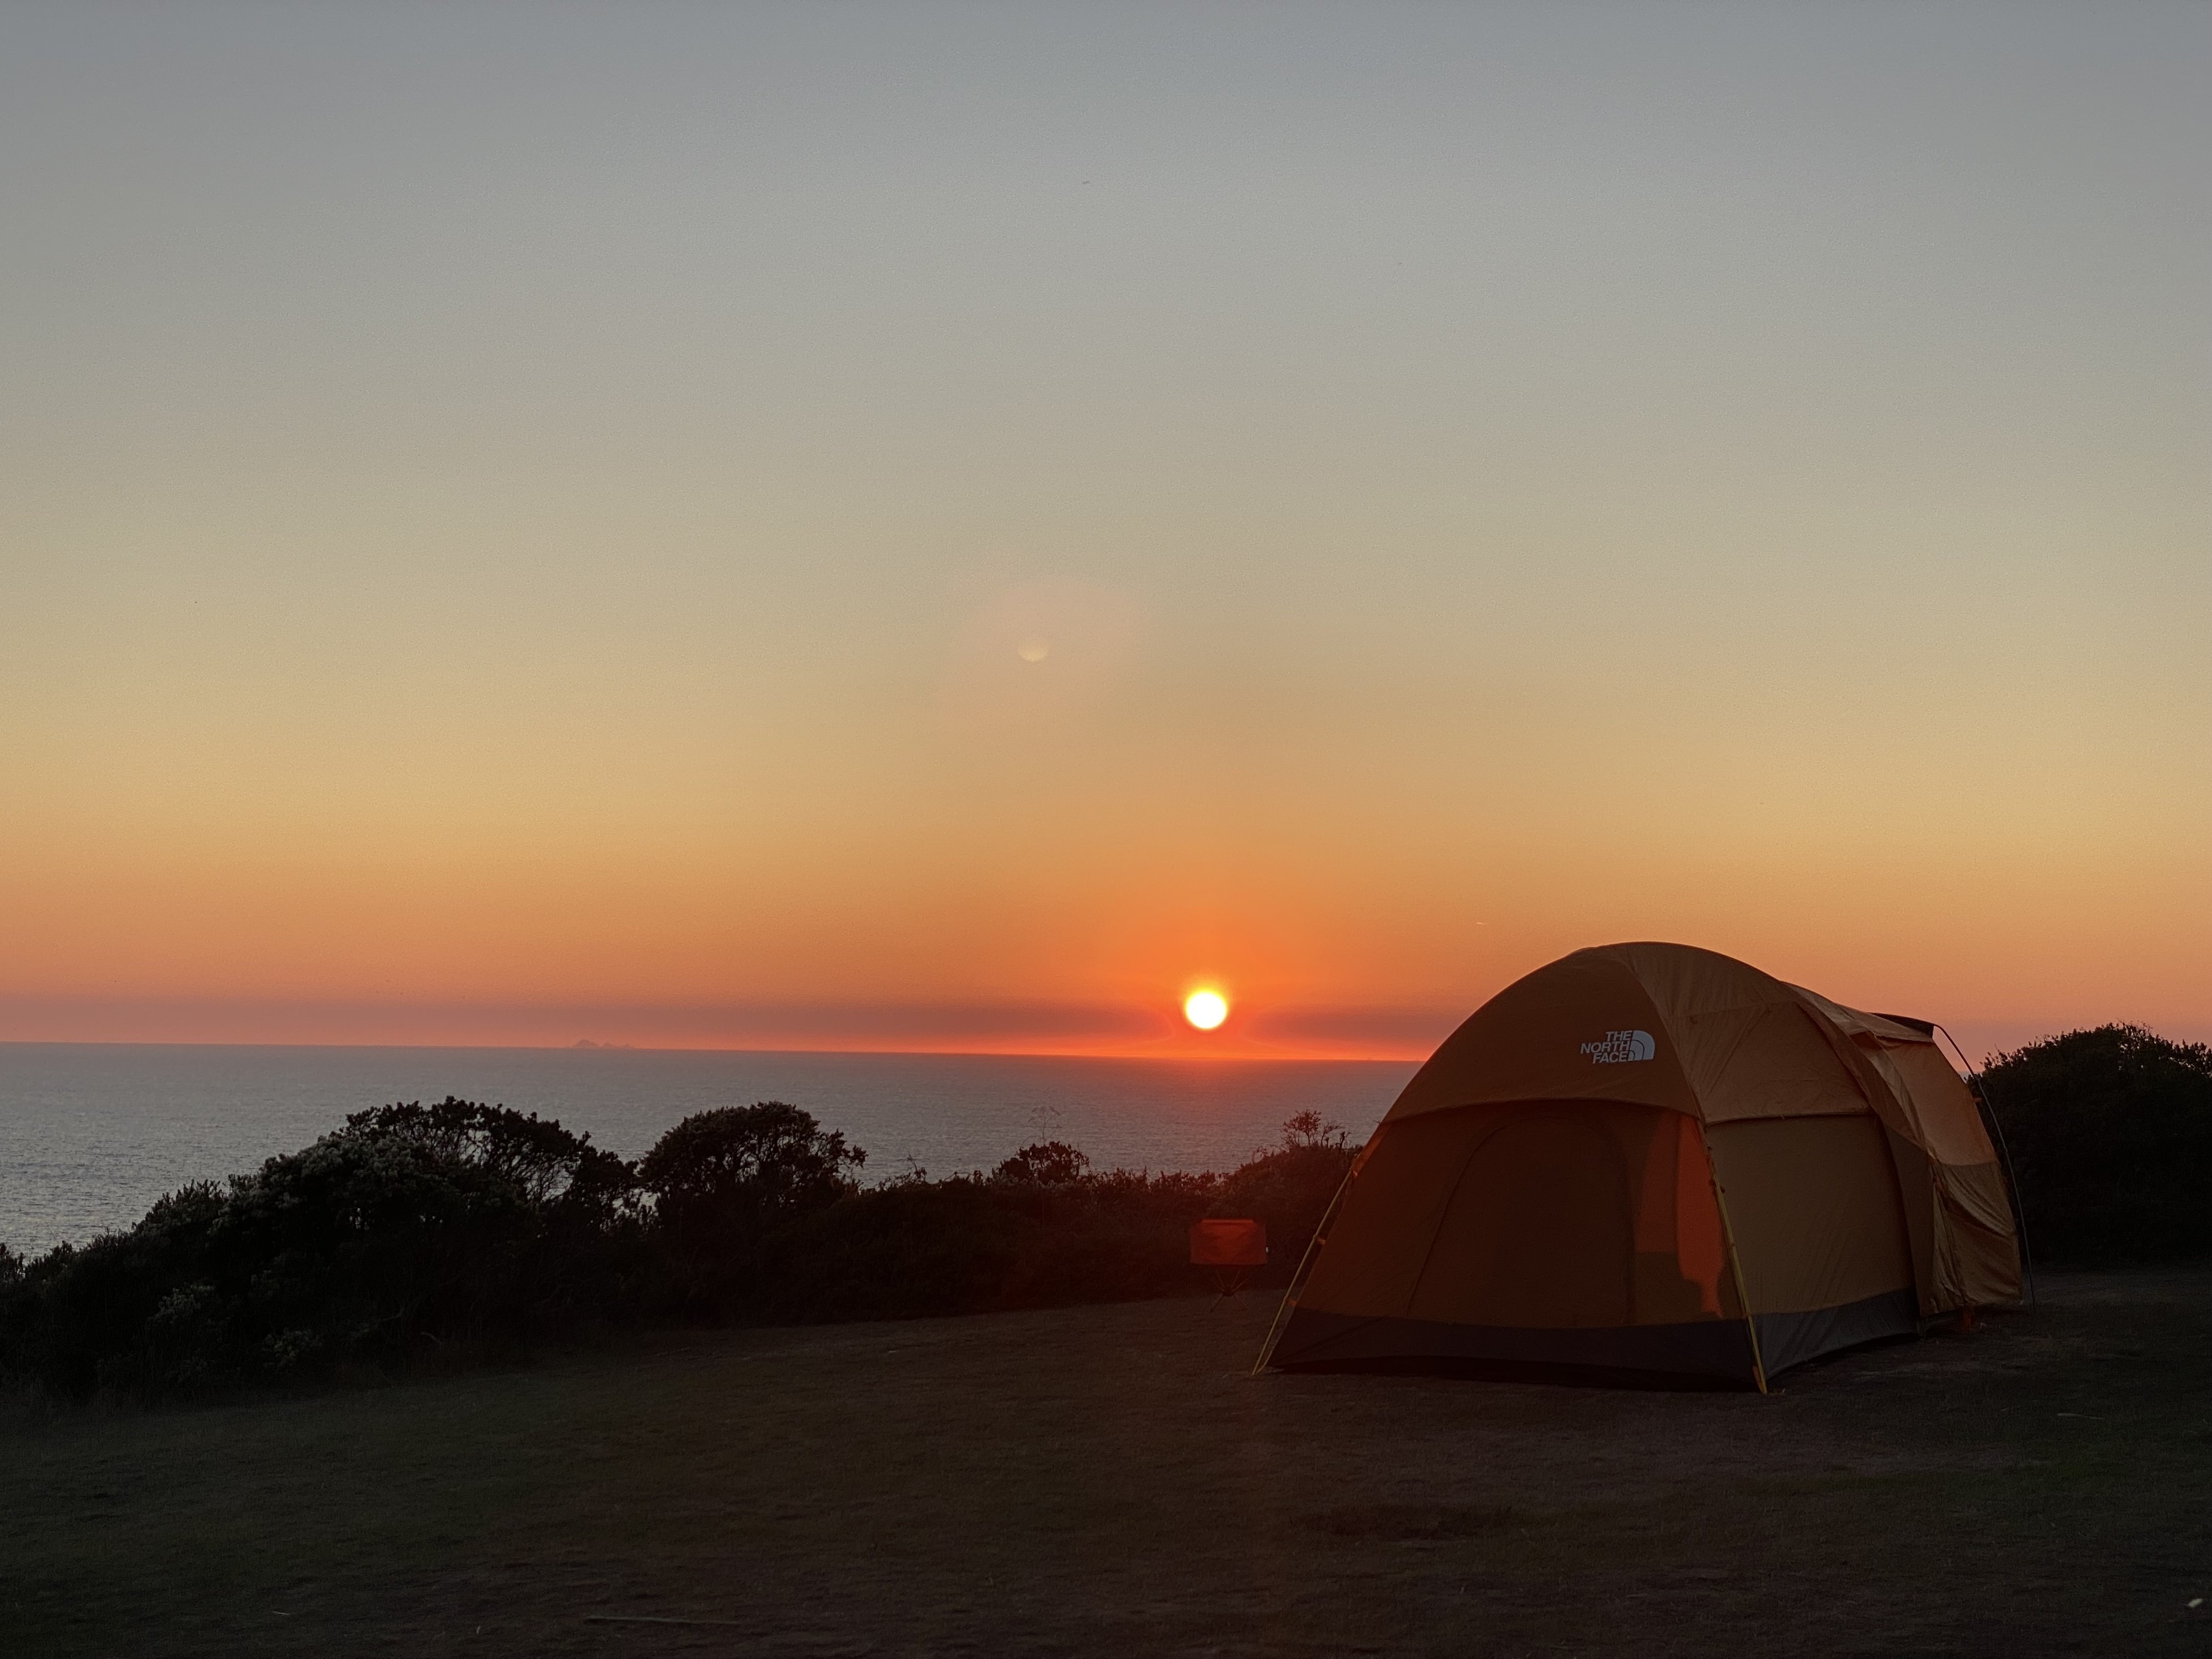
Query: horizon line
point(1241, 1055)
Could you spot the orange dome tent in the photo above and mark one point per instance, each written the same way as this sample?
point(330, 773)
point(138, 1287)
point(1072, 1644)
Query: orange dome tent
point(1659, 1164)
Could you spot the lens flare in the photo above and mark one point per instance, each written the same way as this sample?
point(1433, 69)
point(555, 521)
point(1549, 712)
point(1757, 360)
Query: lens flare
point(1205, 1009)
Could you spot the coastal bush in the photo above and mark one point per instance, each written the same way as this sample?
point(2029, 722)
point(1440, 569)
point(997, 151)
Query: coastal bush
point(438, 1234)
point(747, 1165)
point(976, 1244)
point(1046, 1164)
point(2110, 1135)
point(412, 1228)
point(727, 1185)
point(1042, 1230)
point(1290, 1187)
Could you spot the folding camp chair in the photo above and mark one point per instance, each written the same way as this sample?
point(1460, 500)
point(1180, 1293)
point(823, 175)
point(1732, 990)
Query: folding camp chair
point(1229, 1247)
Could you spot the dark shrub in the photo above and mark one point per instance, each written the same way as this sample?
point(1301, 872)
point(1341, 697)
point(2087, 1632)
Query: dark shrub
point(911, 1247)
point(2110, 1133)
point(1288, 1186)
point(971, 1245)
point(1046, 1164)
point(761, 1161)
point(1044, 1230)
point(461, 1228)
point(457, 1223)
point(725, 1184)
point(127, 1309)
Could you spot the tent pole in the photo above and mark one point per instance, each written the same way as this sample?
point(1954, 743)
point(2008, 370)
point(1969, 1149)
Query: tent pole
point(2012, 1180)
point(1735, 1266)
point(1305, 1266)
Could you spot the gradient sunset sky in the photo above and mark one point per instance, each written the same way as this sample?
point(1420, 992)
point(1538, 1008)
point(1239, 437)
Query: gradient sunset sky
point(946, 526)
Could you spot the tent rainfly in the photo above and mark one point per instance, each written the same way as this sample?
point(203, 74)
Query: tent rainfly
point(1660, 1165)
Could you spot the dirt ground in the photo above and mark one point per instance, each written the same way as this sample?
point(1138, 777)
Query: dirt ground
point(1110, 1480)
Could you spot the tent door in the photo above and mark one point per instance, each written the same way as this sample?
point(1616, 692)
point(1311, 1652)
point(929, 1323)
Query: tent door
point(1539, 1233)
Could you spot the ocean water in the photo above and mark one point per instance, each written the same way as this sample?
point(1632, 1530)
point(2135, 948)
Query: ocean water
point(92, 1133)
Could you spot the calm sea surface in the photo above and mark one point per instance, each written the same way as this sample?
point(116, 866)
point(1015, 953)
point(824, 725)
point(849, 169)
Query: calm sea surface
point(90, 1134)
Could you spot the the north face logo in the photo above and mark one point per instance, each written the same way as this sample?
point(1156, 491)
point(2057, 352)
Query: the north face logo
point(1622, 1047)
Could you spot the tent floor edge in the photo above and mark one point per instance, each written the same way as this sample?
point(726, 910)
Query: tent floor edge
point(1709, 1353)
point(1790, 1340)
point(1536, 1371)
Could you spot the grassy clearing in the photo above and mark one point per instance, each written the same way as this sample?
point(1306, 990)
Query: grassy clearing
point(1107, 1480)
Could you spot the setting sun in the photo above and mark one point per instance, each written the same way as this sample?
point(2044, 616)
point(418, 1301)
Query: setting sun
point(1205, 1009)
